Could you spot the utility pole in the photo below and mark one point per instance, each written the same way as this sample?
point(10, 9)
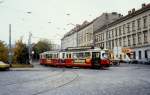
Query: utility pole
point(29, 47)
point(10, 52)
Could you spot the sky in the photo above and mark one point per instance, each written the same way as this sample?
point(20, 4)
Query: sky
point(50, 19)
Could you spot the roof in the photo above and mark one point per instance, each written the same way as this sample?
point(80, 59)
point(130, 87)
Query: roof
point(130, 15)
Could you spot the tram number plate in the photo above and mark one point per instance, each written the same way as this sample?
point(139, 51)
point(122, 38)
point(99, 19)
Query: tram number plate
point(79, 61)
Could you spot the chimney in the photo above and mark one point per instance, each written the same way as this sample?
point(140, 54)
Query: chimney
point(143, 5)
point(133, 10)
point(119, 15)
point(129, 12)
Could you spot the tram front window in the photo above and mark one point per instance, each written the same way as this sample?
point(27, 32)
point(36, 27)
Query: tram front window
point(105, 55)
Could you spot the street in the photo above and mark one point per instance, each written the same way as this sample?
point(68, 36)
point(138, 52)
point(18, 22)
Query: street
point(126, 79)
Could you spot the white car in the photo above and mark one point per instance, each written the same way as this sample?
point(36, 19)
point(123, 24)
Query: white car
point(4, 66)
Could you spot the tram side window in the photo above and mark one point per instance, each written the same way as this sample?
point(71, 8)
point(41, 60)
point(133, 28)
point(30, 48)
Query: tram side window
point(63, 55)
point(48, 55)
point(57, 55)
point(75, 55)
point(87, 55)
point(69, 55)
point(78, 55)
point(54, 55)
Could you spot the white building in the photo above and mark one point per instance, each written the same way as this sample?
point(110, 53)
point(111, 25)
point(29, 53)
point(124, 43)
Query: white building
point(131, 31)
point(85, 33)
point(69, 40)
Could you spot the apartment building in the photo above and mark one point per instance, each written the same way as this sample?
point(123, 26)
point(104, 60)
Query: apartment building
point(85, 33)
point(69, 39)
point(131, 31)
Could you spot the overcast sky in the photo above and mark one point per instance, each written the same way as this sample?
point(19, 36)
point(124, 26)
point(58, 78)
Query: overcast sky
point(49, 18)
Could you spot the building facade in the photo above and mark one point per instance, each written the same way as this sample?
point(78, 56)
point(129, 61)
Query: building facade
point(69, 40)
point(132, 31)
point(85, 34)
point(82, 35)
point(104, 19)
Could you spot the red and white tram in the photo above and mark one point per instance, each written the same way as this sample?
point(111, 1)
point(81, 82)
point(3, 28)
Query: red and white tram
point(92, 58)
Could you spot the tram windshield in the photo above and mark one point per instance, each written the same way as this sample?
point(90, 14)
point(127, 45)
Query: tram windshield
point(105, 55)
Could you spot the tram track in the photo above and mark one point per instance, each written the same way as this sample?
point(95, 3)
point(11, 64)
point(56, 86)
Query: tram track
point(47, 83)
point(76, 76)
point(38, 79)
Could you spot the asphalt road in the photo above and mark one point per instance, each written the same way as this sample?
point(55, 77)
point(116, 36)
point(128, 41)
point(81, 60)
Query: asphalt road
point(126, 79)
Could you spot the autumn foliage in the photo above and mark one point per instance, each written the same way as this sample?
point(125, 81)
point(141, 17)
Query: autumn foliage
point(3, 52)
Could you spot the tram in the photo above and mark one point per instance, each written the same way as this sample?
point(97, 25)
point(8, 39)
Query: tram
point(92, 58)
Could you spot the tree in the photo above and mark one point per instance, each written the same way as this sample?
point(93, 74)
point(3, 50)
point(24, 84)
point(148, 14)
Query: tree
point(41, 46)
point(21, 52)
point(3, 51)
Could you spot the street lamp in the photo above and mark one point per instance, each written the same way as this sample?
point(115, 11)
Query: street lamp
point(30, 47)
point(10, 51)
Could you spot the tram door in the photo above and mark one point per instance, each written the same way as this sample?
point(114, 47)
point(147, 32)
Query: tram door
point(96, 59)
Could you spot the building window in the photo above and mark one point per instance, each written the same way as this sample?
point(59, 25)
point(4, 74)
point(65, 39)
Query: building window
point(146, 55)
point(124, 41)
point(96, 38)
point(112, 32)
point(116, 32)
point(124, 26)
point(87, 35)
point(134, 55)
point(129, 40)
point(112, 43)
point(140, 55)
point(109, 44)
point(145, 36)
point(106, 34)
point(120, 42)
point(116, 42)
point(139, 23)
point(120, 30)
point(128, 27)
point(102, 36)
point(133, 26)
point(139, 38)
point(134, 39)
point(102, 45)
point(145, 22)
point(109, 34)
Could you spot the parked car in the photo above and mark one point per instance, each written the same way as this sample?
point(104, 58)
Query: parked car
point(4, 66)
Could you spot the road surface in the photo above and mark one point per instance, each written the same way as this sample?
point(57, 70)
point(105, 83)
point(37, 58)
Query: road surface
point(126, 79)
